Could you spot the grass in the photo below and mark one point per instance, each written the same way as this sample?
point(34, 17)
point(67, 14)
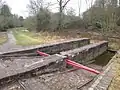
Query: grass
point(115, 84)
point(22, 39)
point(3, 38)
point(31, 38)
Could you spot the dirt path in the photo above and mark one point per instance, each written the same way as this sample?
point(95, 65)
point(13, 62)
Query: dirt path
point(11, 39)
point(10, 44)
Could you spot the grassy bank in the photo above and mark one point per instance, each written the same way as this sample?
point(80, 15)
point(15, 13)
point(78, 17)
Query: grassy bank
point(115, 84)
point(32, 38)
point(26, 38)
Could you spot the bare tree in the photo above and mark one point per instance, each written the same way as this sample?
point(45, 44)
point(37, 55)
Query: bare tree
point(89, 4)
point(119, 2)
point(79, 7)
point(1, 3)
point(39, 9)
point(35, 6)
point(62, 5)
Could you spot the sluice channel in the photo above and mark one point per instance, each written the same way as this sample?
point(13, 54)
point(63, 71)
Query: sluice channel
point(27, 70)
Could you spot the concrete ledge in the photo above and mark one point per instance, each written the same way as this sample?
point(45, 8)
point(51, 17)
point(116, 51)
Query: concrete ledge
point(86, 53)
point(54, 62)
point(53, 48)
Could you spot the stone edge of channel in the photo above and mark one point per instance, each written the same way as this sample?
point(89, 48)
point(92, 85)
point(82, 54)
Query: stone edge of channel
point(103, 80)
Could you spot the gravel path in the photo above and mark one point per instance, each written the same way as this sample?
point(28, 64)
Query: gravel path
point(10, 44)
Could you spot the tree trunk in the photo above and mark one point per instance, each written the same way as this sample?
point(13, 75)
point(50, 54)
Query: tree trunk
point(119, 2)
point(61, 8)
point(60, 15)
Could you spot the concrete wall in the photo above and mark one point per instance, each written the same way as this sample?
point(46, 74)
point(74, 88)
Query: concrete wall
point(55, 47)
point(86, 53)
point(44, 65)
point(56, 62)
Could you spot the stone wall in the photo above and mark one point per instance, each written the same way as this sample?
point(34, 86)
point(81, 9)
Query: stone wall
point(54, 47)
point(87, 53)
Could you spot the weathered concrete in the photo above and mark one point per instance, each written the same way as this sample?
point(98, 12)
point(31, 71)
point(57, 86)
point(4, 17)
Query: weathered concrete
point(19, 67)
point(54, 47)
point(87, 53)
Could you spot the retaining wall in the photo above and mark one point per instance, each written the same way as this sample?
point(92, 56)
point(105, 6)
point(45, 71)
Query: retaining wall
point(86, 53)
point(76, 51)
point(53, 48)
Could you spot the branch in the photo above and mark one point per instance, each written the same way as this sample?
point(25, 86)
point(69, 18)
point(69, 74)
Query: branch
point(58, 0)
point(65, 4)
point(48, 5)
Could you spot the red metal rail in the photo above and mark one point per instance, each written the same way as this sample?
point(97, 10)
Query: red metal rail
point(77, 65)
point(74, 64)
point(42, 53)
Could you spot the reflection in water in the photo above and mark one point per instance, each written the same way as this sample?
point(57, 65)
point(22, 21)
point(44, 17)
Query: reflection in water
point(103, 59)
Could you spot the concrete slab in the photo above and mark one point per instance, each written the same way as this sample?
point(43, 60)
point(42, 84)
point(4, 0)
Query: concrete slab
point(86, 53)
point(20, 66)
point(52, 48)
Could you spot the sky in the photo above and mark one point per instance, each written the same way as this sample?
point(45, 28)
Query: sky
point(20, 6)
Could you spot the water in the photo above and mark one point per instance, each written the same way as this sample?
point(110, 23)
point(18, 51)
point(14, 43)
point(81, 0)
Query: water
point(104, 59)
